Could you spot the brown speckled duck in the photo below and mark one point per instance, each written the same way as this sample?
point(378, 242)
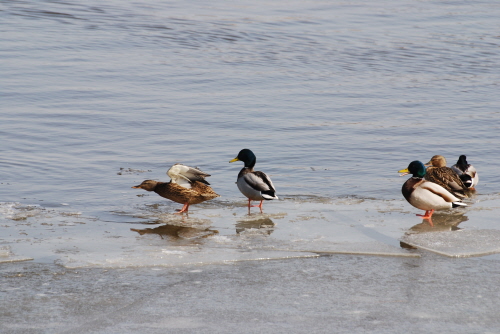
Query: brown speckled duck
point(187, 186)
point(438, 173)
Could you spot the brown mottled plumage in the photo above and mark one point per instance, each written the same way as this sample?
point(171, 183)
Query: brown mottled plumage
point(198, 193)
point(445, 176)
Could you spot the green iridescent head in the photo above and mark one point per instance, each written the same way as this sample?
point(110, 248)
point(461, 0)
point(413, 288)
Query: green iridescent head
point(416, 168)
point(247, 157)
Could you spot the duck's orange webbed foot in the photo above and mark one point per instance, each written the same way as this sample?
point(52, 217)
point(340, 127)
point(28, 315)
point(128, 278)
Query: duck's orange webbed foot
point(184, 209)
point(428, 216)
point(254, 206)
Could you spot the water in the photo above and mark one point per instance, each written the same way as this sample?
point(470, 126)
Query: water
point(333, 97)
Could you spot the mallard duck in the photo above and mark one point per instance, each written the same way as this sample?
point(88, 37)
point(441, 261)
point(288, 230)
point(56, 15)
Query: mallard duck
point(255, 185)
point(426, 195)
point(466, 172)
point(437, 172)
point(187, 186)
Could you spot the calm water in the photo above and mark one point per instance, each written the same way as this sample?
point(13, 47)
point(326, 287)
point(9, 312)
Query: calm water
point(333, 97)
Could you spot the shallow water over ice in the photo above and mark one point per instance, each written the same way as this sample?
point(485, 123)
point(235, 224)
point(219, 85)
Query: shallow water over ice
point(218, 232)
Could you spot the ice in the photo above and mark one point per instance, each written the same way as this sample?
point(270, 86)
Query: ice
point(226, 233)
point(153, 257)
point(460, 243)
point(342, 294)
point(7, 256)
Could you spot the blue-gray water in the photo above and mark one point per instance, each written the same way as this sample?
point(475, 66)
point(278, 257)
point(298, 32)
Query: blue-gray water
point(333, 97)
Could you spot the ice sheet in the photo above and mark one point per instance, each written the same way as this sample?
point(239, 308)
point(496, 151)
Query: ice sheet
point(180, 256)
point(460, 243)
point(7, 256)
point(224, 231)
point(342, 293)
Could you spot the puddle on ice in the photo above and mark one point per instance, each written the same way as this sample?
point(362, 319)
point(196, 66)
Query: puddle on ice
point(299, 227)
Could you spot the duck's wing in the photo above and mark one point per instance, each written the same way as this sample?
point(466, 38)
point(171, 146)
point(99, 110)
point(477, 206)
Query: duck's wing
point(439, 190)
point(204, 190)
point(471, 170)
point(260, 182)
point(179, 173)
point(452, 179)
point(457, 169)
point(470, 177)
point(448, 179)
point(432, 176)
point(445, 177)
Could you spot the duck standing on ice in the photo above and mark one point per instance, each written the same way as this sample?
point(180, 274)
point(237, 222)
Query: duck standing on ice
point(426, 195)
point(187, 186)
point(255, 185)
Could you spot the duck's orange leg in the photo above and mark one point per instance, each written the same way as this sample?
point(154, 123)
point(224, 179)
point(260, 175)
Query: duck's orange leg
point(184, 208)
point(254, 206)
point(257, 206)
point(428, 216)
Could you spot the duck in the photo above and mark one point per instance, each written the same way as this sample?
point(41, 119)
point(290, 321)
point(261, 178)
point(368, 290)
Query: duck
point(187, 186)
point(437, 172)
point(466, 172)
point(426, 195)
point(255, 185)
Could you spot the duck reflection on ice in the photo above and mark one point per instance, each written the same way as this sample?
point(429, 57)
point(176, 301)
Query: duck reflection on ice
point(441, 222)
point(262, 224)
point(177, 232)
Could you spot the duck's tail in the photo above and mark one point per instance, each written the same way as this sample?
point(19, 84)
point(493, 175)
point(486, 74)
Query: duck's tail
point(269, 197)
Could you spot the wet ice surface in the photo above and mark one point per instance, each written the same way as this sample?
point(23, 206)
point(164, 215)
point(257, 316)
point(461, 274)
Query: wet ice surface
point(7, 256)
point(460, 244)
point(223, 231)
point(213, 233)
point(334, 294)
point(144, 269)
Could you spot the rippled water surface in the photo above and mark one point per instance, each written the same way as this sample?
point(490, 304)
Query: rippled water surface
point(333, 97)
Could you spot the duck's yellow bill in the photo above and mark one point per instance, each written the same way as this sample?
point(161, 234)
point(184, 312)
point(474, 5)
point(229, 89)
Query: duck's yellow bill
point(235, 159)
point(404, 171)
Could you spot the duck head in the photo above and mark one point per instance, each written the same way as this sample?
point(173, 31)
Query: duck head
point(437, 161)
point(416, 168)
point(247, 157)
point(148, 185)
point(462, 161)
